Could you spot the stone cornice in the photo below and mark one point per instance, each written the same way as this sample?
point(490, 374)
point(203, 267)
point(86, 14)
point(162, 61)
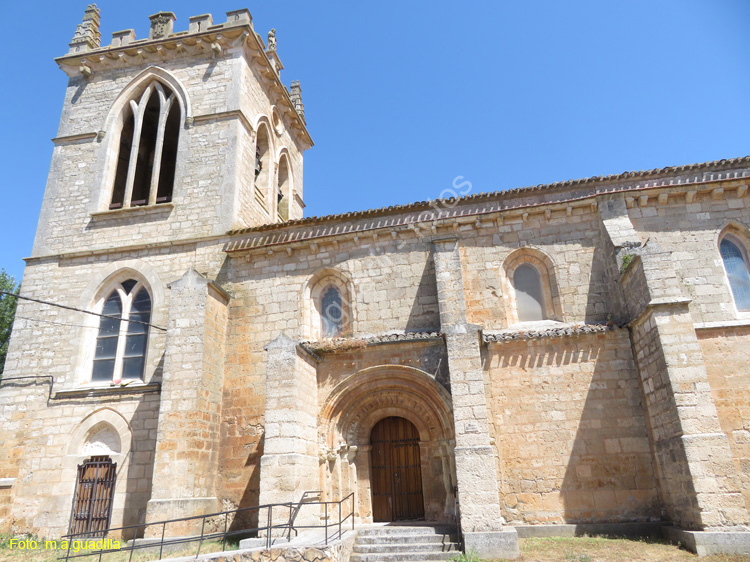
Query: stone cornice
point(124, 249)
point(564, 331)
point(642, 188)
point(335, 345)
point(70, 139)
point(104, 391)
point(723, 325)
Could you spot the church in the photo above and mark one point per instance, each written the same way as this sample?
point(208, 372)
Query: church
point(566, 354)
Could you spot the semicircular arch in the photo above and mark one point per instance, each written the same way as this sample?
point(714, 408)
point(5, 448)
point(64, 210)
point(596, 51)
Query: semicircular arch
point(357, 403)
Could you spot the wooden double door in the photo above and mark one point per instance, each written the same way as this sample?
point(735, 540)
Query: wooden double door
point(396, 471)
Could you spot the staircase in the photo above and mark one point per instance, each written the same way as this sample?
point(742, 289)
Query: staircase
point(405, 543)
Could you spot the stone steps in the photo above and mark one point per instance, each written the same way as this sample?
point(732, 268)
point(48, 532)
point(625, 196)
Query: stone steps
point(404, 538)
point(403, 543)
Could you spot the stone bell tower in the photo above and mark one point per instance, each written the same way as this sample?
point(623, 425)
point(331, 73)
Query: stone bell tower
point(177, 136)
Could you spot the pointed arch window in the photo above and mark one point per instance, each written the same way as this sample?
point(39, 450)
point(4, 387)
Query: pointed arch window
point(736, 265)
point(147, 151)
point(282, 204)
point(263, 167)
point(123, 334)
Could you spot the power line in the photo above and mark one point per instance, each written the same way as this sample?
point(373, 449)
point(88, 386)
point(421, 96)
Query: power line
point(74, 309)
point(55, 323)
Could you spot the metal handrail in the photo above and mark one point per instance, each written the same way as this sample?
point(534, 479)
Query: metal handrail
point(293, 515)
point(457, 514)
point(286, 527)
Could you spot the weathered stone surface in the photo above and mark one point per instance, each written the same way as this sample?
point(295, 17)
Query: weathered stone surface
point(628, 402)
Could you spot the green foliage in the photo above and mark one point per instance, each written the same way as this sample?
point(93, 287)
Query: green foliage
point(469, 556)
point(626, 259)
point(7, 313)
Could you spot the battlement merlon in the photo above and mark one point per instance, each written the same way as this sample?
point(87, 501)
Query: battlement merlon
point(202, 39)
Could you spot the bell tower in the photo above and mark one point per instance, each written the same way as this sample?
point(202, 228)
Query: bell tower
point(179, 136)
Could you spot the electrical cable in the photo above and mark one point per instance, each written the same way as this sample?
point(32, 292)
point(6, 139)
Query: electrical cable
point(81, 310)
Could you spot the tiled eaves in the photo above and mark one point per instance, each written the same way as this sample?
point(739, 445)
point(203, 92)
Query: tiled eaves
point(507, 336)
point(333, 345)
point(413, 214)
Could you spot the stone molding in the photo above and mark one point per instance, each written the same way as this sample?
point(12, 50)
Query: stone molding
point(334, 345)
point(483, 209)
point(564, 331)
point(118, 390)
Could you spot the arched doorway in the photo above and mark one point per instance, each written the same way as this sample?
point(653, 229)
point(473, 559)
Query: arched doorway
point(350, 413)
point(396, 471)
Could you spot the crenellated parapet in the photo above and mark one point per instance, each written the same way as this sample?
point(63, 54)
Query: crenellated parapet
point(203, 39)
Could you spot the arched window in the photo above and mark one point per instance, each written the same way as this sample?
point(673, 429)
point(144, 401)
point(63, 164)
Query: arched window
point(262, 166)
point(123, 333)
point(282, 188)
point(736, 266)
point(328, 305)
point(529, 294)
point(331, 313)
point(147, 152)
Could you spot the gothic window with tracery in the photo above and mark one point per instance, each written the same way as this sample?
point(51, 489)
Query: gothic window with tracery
point(738, 273)
point(147, 152)
point(123, 333)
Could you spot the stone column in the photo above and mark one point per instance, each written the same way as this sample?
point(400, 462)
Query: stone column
point(289, 465)
point(476, 474)
point(186, 460)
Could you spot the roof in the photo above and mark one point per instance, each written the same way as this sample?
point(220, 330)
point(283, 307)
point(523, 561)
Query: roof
point(568, 330)
point(717, 165)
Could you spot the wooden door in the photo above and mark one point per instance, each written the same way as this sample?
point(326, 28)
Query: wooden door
point(396, 475)
point(92, 503)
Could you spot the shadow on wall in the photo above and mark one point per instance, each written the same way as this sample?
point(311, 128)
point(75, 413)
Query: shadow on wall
point(572, 434)
point(425, 315)
point(251, 495)
point(140, 474)
point(610, 475)
point(604, 296)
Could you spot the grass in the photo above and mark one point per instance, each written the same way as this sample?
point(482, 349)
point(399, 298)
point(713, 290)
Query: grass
point(601, 549)
point(8, 554)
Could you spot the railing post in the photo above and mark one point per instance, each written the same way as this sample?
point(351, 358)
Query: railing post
point(340, 501)
point(200, 544)
point(268, 532)
point(224, 539)
point(352, 511)
point(67, 554)
point(161, 544)
point(326, 520)
point(289, 535)
point(132, 546)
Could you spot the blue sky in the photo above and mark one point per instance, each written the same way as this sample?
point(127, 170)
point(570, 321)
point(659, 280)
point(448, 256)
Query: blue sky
point(403, 97)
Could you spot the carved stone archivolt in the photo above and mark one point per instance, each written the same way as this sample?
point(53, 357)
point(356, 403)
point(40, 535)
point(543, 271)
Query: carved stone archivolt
point(361, 400)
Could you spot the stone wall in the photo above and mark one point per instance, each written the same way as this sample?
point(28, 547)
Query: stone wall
point(570, 431)
point(726, 352)
point(574, 247)
point(689, 224)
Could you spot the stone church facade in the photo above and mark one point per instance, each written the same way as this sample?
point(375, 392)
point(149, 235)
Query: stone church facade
point(569, 353)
